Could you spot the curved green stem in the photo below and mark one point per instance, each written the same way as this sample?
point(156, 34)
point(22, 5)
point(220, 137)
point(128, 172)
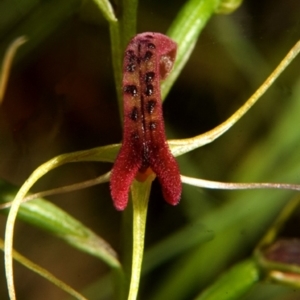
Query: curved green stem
point(120, 34)
point(85, 155)
point(44, 273)
point(7, 62)
point(128, 20)
point(179, 147)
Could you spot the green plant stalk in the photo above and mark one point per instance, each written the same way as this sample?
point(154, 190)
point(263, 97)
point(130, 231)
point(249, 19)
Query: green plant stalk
point(128, 20)
point(140, 196)
point(7, 62)
point(234, 283)
point(120, 34)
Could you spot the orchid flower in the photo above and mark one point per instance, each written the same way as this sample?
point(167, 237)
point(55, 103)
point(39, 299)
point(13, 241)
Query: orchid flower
point(140, 158)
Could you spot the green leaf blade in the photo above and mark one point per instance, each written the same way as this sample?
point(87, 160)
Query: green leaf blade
point(234, 283)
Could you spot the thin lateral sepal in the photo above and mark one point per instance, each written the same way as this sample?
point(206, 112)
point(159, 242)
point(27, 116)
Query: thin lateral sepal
point(65, 189)
point(88, 155)
point(44, 273)
point(237, 186)
point(182, 146)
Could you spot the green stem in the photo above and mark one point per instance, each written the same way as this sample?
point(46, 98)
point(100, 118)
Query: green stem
point(7, 62)
point(128, 20)
point(121, 32)
point(140, 196)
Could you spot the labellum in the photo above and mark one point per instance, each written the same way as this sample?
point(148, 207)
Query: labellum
point(148, 58)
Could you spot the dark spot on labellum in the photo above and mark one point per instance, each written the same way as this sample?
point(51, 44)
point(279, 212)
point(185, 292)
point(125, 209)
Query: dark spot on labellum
point(131, 57)
point(130, 53)
point(131, 67)
point(152, 125)
point(132, 61)
point(130, 89)
point(149, 90)
point(150, 106)
point(148, 55)
point(149, 77)
point(134, 115)
point(151, 46)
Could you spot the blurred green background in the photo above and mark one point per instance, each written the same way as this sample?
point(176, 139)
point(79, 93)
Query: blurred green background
point(61, 98)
